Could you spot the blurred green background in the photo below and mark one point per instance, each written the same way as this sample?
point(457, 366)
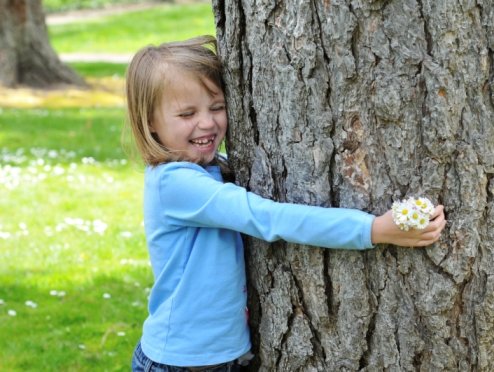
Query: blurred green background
point(74, 271)
point(53, 6)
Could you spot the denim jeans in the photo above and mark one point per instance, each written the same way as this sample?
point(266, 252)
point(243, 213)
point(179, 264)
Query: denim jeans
point(141, 363)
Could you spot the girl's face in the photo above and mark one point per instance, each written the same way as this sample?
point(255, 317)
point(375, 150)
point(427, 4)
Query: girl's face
point(190, 120)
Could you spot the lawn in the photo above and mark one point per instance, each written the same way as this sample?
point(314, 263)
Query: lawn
point(73, 265)
point(74, 270)
point(126, 33)
point(51, 6)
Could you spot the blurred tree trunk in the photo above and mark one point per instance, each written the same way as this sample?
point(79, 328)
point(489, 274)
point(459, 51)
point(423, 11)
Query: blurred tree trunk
point(351, 103)
point(26, 56)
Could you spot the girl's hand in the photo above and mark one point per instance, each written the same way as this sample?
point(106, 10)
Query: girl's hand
point(384, 230)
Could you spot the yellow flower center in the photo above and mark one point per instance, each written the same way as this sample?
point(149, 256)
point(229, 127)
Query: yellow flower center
point(404, 211)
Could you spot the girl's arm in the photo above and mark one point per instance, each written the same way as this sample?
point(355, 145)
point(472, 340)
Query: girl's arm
point(384, 230)
point(189, 196)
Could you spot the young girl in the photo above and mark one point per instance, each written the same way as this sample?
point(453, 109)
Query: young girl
point(193, 220)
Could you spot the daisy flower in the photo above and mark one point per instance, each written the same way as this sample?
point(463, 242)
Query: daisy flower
point(422, 223)
point(412, 213)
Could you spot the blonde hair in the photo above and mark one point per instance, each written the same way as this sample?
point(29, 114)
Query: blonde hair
point(145, 85)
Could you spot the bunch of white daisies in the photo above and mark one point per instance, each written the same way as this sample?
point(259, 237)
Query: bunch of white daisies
point(412, 213)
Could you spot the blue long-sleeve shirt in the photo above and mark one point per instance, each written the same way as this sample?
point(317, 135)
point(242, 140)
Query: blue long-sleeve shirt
point(197, 306)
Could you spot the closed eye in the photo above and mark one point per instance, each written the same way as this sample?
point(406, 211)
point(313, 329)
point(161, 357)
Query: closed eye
point(186, 114)
point(218, 107)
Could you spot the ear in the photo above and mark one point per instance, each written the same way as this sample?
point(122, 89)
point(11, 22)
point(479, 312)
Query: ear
point(151, 127)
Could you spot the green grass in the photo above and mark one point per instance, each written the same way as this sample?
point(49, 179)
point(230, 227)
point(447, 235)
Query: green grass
point(99, 69)
point(63, 5)
point(126, 33)
point(71, 222)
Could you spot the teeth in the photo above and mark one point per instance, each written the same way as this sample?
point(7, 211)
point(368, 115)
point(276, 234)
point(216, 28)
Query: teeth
point(202, 141)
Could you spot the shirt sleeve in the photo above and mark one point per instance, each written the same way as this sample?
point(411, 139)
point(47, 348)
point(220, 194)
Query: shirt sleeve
point(192, 197)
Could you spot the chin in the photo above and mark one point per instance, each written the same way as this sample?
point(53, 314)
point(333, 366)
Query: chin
point(203, 159)
point(208, 159)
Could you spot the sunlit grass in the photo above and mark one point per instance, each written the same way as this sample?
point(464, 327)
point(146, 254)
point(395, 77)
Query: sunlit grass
point(126, 33)
point(63, 5)
point(100, 69)
point(102, 94)
point(74, 270)
point(105, 89)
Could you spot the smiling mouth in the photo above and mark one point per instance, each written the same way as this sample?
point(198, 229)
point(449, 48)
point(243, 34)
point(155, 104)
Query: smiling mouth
point(203, 142)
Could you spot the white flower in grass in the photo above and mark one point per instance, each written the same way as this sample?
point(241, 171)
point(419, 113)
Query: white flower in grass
point(120, 334)
point(99, 227)
point(12, 312)
point(31, 304)
point(2, 302)
point(58, 170)
point(5, 235)
point(88, 160)
point(56, 293)
point(106, 296)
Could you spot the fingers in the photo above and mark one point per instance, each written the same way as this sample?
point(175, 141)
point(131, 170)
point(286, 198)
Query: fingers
point(431, 237)
point(428, 239)
point(438, 221)
point(433, 232)
point(438, 211)
point(413, 237)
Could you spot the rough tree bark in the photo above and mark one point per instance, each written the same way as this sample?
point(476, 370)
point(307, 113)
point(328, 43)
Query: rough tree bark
point(353, 103)
point(26, 56)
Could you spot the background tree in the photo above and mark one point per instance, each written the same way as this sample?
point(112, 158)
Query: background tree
point(356, 104)
point(26, 56)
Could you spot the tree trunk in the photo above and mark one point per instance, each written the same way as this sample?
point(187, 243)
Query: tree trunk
point(351, 103)
point(26, 56)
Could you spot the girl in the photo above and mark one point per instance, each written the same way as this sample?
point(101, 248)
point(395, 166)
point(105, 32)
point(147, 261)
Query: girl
point(193, 220)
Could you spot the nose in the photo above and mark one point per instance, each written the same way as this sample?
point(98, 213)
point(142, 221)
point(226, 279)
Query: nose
point(206, 121)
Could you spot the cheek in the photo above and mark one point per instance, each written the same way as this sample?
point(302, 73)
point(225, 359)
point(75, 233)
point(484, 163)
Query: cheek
point(167, 131)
